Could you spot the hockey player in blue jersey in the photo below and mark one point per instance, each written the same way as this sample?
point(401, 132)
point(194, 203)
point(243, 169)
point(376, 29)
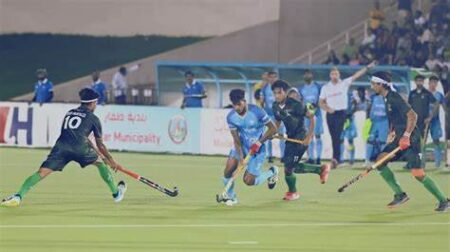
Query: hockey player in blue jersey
point(310, 96)
point(358, 101)
point(250, 127)
point(435, 123)
point(268, 99)
point(379, 128)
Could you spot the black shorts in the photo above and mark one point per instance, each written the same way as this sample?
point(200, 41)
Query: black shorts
point(412, 155)
point(60, 156)
point(293, 153)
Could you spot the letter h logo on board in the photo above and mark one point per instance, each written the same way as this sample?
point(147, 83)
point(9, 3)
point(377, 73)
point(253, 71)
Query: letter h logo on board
point(15, 125)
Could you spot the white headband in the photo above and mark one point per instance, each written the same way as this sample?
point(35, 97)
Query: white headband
point(87, 101)
point(379, 80)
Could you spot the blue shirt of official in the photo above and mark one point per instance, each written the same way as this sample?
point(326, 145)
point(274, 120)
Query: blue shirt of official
point(42, 91)
point(196, 88)
point(100, 88)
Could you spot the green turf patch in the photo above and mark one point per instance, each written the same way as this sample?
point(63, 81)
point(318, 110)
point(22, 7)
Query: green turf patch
point(73, 211)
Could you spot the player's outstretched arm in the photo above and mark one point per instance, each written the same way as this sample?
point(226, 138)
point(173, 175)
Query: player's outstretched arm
point(363, 71)
point(271, 130)
point(104, 151)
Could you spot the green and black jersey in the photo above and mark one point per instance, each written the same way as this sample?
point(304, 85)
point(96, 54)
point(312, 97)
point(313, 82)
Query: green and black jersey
point(77, 126)
point(292, 114)
point(397, 110)
point(72, 144)
point(420, 101)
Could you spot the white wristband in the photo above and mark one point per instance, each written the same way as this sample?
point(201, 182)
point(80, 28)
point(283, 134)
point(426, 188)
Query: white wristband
point(407, 134)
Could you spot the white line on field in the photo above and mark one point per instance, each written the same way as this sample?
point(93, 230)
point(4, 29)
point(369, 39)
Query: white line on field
point(249, 225)
point(243, 242)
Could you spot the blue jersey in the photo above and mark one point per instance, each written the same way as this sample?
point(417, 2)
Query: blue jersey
point(441, 100)
point(378, 108)
point(100, 88)
point(269, 99)
point(42, 91)
point(195, 89)
point(250, 126)
point(310, 94)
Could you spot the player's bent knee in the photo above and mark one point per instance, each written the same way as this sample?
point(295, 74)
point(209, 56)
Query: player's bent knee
point(249, 179)
point(419, 173)
point(44, 172)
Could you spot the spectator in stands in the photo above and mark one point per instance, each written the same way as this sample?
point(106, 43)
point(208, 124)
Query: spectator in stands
point(99, 87)
point(332, 58)
point(432, 63)
point(439, 12)
point(350, 50)
point(369, 40)
point(193, 92)
point(376, 16)
point(419, 19)
point(120, 84)
point(334, 100)
point(43, 89)
point(404, 8)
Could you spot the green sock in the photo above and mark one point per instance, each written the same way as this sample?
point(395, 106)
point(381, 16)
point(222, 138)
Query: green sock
point(389, 177)
point(291, 181)
point(106, 174)
point(307, 168)
point(433, 188)
point(29, 182)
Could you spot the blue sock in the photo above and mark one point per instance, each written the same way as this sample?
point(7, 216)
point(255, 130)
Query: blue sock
point(437, 155)
point(311, 150)
point(263, 177)
point(369, 151)
point(269, 148)
point(230, 191)
point(282, 147)
point(319, 147)
point(342, 152)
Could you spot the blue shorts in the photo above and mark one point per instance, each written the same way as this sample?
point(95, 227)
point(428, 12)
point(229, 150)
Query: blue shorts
point(318, 124)
point(350, 132)
point(254, 166)
point(379, 131)
point(436, 130)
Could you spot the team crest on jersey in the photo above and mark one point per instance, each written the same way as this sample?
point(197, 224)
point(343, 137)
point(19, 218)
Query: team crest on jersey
point(178, 129)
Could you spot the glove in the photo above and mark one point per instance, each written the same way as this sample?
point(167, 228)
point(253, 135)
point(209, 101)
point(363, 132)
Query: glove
point(404, 143)
point(311, 108)
point(255, 147)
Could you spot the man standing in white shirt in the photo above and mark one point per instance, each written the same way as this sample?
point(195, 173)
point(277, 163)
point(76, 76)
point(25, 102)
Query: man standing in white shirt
point(334, 100)
point(120, 85)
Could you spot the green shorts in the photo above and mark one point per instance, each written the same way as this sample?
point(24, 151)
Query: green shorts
point(412, 155)
point(61, 155)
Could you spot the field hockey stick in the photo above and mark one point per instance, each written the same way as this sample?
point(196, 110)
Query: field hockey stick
point(379, 163)
point(171, 193)
point(224, 195)
point(290, 139)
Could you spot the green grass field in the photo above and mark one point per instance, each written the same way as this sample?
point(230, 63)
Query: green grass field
point(73, 211)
